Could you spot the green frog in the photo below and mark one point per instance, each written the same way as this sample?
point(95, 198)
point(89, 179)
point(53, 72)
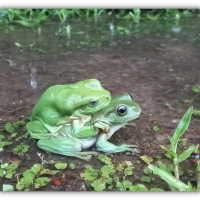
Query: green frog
point(108, 120)
point(66, 104)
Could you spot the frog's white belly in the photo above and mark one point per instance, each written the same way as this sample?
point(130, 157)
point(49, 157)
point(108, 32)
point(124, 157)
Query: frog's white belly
point(88, 142)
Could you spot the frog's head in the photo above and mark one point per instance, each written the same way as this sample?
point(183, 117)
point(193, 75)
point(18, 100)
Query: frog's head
point(92, 96)
point(121, 109)
point(97, 102)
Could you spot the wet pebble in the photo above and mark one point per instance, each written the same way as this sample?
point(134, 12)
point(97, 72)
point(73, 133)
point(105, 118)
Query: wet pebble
point(57, 182)
point(176, 121)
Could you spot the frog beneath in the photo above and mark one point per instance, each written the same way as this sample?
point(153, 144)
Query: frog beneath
point(110, 119)
point(65, 104)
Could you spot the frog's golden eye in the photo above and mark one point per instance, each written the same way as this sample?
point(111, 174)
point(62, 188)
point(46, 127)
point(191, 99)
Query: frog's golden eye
point(94, 103)
point(122, 110)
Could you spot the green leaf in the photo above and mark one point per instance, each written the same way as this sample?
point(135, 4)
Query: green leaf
point(2, 144)
point(104, 158)
point(156, 128)
point(187, 101)
point(169, 178)
point(110, 187)
point(98, 186)
point(90, 173)
point(28, 176)
point(196, 89)
point(120, 186)
point(129, 170)
point(9, 175)
point(42, 181)
point(138, 188)
point(4, 165)
point(107, 169)
point(12, 166)
point(13, 135)
point(108, 180)
point(147, 171)
point(20, 186)
point(182, 127)
point(36, 168)
point(8, 188)
point(9, 127)
point(186, 153)
point(119, 167)
point(146, 179)
point(2, 137)
point(17, 44)
point(72, 165)
point(2, 172)
point(61, 165)
point(156, 190)
point(158, 157)
point(7, 143)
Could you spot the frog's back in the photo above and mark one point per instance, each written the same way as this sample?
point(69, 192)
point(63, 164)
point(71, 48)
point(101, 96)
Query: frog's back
point(62, 100)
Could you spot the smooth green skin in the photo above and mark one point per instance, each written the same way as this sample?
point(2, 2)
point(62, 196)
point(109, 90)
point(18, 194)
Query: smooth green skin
point(106, 119)
point(65, 104)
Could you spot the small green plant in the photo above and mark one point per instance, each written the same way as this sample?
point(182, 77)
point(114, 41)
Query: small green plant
point(9, 127)
point(165, 173)
point(135, 15)
point(8, 170)
point(72, 166)
point(196, 88)
point(21, 149)
point(109, 176)
point(156, 128)
point(3, 142)
point(33, 178)
point(61, 165)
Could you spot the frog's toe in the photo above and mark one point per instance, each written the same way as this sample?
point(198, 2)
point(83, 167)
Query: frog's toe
point(134, 150)
point(132, 145)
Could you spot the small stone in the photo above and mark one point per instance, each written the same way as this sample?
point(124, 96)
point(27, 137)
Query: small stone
point(57, 182)
point(175, 121)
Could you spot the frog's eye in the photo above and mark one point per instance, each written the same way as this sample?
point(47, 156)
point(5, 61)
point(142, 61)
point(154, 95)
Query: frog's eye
point(131, 96)
point(122, 110)
point(94, 103)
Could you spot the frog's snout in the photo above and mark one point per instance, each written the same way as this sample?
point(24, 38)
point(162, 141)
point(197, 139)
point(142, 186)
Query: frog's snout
point(137, 109)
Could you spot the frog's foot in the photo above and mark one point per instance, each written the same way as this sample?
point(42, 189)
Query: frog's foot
point(86, 155)
point(130, 147)
point(37, 130)
point(105, 127)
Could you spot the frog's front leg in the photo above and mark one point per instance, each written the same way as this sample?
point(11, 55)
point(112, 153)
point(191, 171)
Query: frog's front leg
point(105, 146)
point(38, 131)
point(83, 132)
point(65, 146)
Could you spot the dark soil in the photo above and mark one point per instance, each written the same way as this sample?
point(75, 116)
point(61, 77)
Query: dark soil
point(157, 66)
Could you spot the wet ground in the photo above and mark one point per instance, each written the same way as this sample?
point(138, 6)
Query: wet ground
point(156, 62)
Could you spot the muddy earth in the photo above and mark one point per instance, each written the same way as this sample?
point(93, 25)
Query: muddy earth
point(156, 62)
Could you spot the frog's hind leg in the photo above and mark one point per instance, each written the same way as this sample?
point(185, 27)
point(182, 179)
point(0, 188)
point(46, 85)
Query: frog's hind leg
point(65, 146)
point(38, 131)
